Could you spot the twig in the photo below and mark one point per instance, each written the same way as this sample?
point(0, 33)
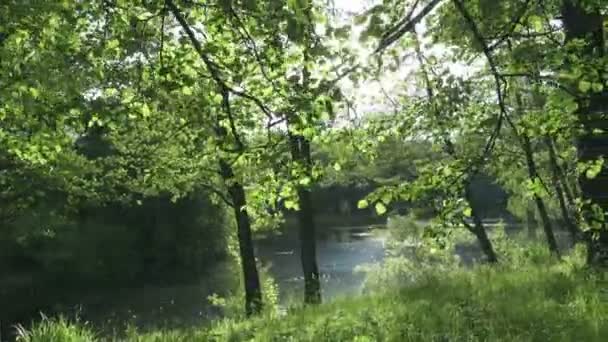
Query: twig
point(514, 22)
point(211, 66)
point(498, 80)
point(404, 26)
point(162, 37)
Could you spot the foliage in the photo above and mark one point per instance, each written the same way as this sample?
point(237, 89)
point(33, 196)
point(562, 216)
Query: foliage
point(127, 129)
point(231, 303)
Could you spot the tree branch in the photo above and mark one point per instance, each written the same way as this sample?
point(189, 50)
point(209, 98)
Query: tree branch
point(498, 80)
point(514, 22)
point(404, 26)
point(211, 66)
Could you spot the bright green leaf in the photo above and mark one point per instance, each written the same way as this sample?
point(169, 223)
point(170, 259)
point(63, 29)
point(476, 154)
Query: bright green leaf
point(380, 208)
point(362, 204)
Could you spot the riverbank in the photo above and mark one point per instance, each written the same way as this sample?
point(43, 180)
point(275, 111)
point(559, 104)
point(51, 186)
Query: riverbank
point(539, 300)
point(186, 304)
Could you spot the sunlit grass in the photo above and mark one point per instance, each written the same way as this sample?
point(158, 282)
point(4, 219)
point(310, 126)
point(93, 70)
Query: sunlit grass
point(56, 330)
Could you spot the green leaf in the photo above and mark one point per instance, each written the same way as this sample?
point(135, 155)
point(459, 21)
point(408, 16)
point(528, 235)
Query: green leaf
point(380, 208)
point(289, 204)
point(145, 110)
point(113, 44)
point(337, 166)
point(467, 212)
point(536, 22)
point(187, 90)
point(597, 87)
point(362, 204)
point(34, 92)
point(584, 86)
point(594, 169)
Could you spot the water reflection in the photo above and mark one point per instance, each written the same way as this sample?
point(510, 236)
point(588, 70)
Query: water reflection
point(339, 251)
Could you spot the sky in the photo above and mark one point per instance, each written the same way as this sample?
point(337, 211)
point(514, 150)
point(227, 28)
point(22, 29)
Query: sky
point(372, 95)
point(353, 5)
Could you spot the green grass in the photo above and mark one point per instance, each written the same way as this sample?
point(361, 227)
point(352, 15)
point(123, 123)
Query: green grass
point(522, 301)
point(56, 330)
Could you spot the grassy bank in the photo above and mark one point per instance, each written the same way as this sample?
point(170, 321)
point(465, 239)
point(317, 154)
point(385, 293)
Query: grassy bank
point(536, 300)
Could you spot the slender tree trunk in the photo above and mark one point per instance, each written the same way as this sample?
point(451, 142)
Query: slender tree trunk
point(533, 175)
point(561, 197)
point(587, 24)
point(562, 175)
point(478, 228)
point(251, 279)
point(300, 151)
point(540, 204)
point(531, 223)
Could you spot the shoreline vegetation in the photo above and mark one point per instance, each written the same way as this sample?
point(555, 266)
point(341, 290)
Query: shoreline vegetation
point(529, 296)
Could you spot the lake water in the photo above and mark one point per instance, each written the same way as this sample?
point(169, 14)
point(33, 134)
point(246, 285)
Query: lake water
point(339, 252)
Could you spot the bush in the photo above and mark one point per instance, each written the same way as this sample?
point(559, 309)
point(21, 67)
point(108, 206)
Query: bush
point(233, 303)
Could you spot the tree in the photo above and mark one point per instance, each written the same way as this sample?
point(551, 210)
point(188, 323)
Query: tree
point(520, 40)
point(584, 26)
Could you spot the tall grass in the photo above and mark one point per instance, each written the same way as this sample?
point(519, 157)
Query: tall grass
point(527, 301)
point(56, 330)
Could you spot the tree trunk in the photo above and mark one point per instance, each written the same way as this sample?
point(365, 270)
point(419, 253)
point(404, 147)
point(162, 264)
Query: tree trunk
point(588, 26)
point(534, 176)
point(568, 191)
point(561, 197)
point(251, 279)
point(300, 151)
point(478, 229)
point(540, 204)
point(531, 223)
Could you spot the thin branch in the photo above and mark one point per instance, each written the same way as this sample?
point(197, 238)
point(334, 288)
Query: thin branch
point(211, 66)
point(431, 96)
point(228, 111)
point(391, 36)
point(514, 22)
point(162, 37)
point(404, 26)
point(498, 80)
point(548, 79)
point(388, 97)
point(242, 30)
point(219, 193)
